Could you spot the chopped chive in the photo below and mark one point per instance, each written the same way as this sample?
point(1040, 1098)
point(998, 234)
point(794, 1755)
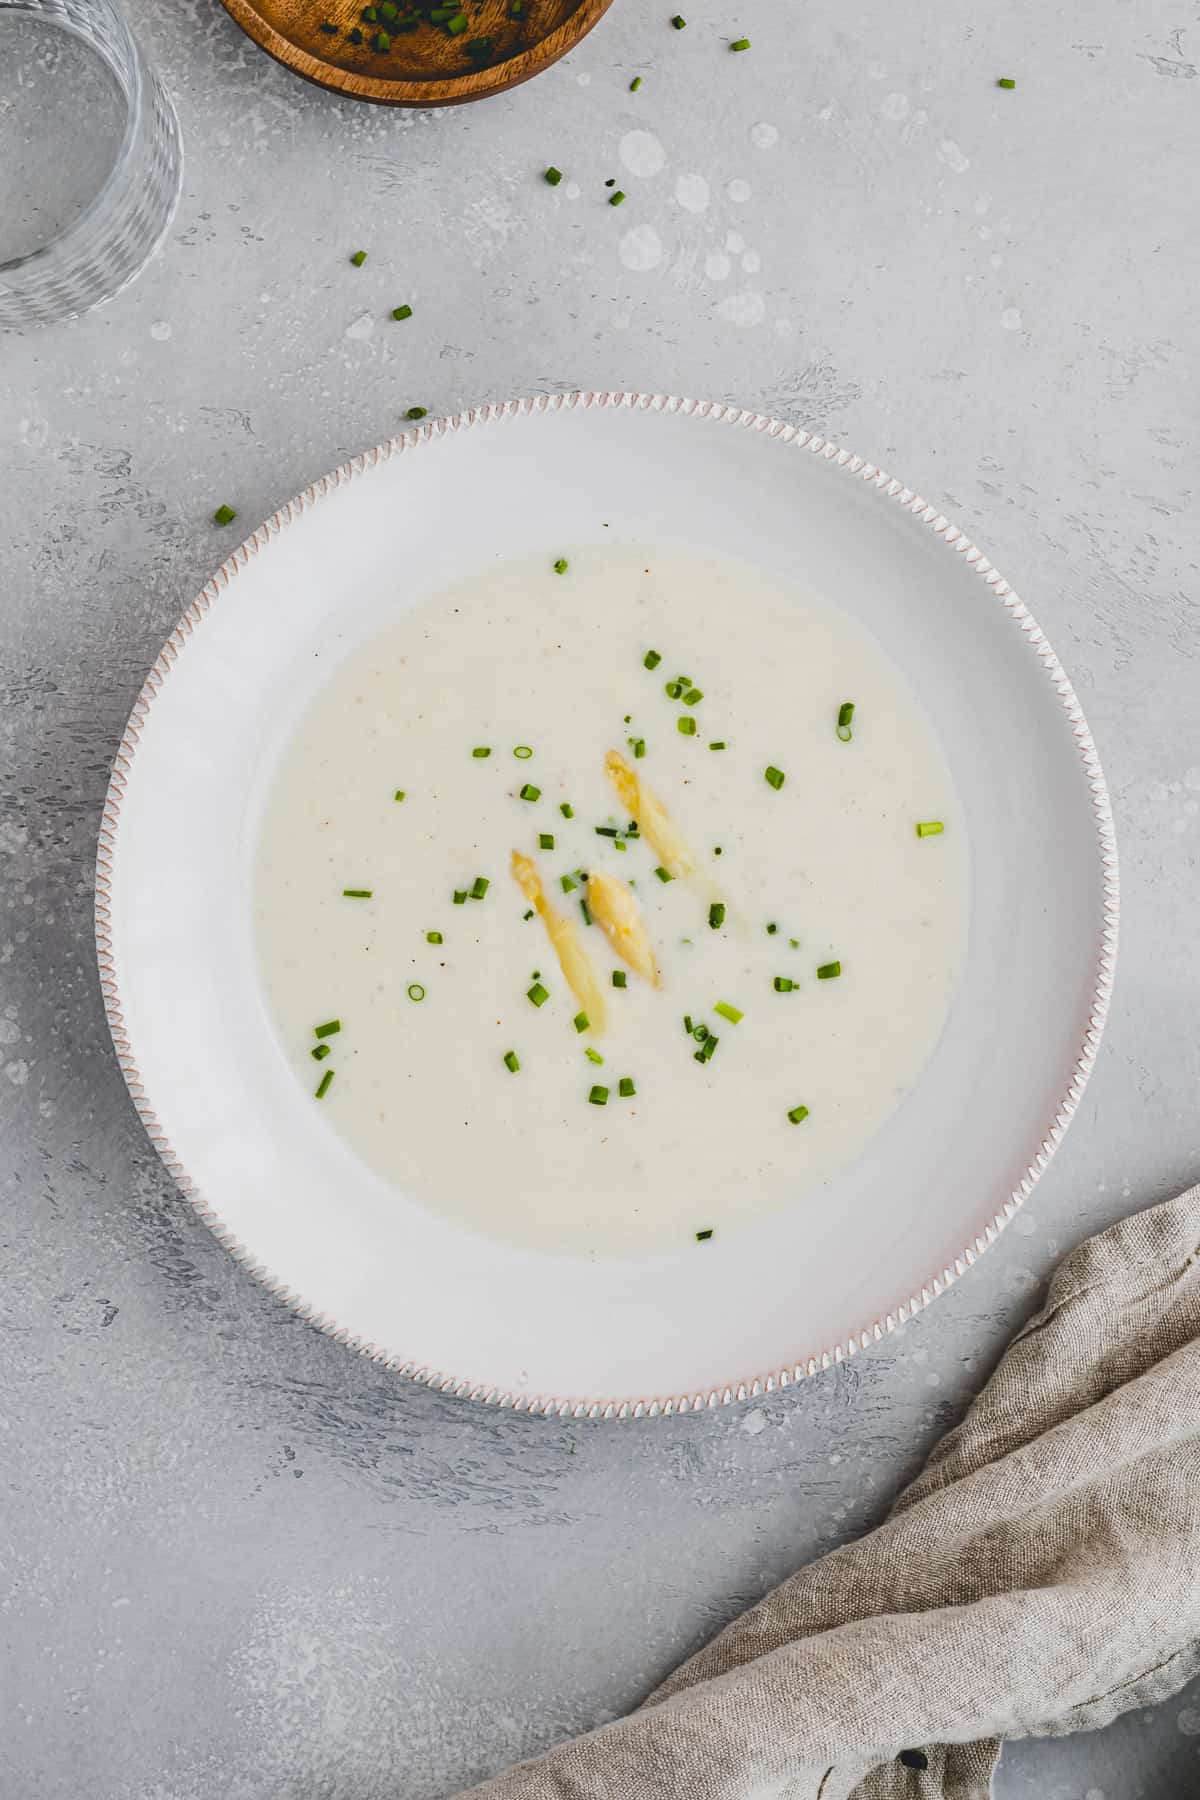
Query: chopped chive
point(685, 682)
point(708, 1048)
point(553, 176)
point(679, 22)
point(456, 24)
point(729, 1012)
point(702, 1237)
point(545, 840)
point(224, 515)
point(355, 37)
point(381, 42)
point(511, 1061)
point(829, 971)
point(687, 1023)
point(611, 182)
point(740, 44)
point(716, 914)
point(324, 1084)
point(772, 928)
point(584, 909)
point(581, 1021)
point(529, 792)
point(402, 312)
point(673, 689)
point(598, 1096)
point(388, 11)
point(620, 844)
point(664, 874)
point(329, 1029)
point(357, 893)
point(567, 883)
point(775, 777)
point(416, 412)
point(635, 84)
point(319, 1052)
point(619, 978)
point(797, 1114)
point(561, 565)
point(369, 15)
point(651, 659)
point(607, 831)
point(359, 258)
point(845, 715)
point(434, 937)
point(1006, 81)
point(593, 1056)
point(522, 752)
point(478, 48)
point(481, 750)
point(460, 896)
point(479, 887)
point(566, 809)
point(794, 942)
point(399, 794)
point(701, 1032)
point(329, 30)
point(616, 199)
point(626, 1087)
point(783, 984)
point(686, 724)
point(717, 744)
point(638, 746)
point(930, 828)
point(416, 991)
point(525, 916)
point(692, 697)
point(538, 994)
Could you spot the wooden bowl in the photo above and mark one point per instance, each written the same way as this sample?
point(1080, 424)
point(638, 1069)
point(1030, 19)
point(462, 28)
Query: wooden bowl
point(398, 63)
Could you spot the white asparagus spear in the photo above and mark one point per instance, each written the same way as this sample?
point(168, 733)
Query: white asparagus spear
point(654, 822)
point(613, 907)
point(573, 959)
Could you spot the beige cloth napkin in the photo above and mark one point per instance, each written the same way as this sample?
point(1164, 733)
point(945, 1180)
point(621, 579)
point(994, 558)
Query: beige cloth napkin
point(1040, 1576)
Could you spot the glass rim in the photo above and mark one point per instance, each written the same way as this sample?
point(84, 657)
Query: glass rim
point(133, 113)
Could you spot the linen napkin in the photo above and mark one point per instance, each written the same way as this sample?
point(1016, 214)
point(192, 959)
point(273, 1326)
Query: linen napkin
point(1040, 1576)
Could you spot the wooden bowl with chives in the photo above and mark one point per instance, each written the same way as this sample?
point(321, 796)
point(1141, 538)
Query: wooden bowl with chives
point(417, 52)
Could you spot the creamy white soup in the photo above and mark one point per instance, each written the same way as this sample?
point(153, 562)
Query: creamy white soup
point(604, 909)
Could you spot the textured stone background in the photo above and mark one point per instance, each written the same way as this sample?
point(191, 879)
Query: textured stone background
point(238, 1562)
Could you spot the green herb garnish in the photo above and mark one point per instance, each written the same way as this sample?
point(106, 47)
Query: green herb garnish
point(417, 412)
point(638, 746)
point(679, 22)
point(783, 984)
point(664, 874)
point(598, 1096)
point(224, 515)
point(529, 792)
point(479, 887)
point(356, 893)
point(686, 725)
point(460, 896)
point(581, 1021)
point(702, 1237)
point(651, 659)
point(329, 1029)
point(553, 176)
point(692, 696)
point(635, 84)
point(797, 1114)
point(616, 199)
point(716, 914)
point(319, 1052)
point(1006, 81)
point(930, 828)
point(402, 312)
point(522, 752)
point(416, 991)
point(561, 565)
point(434, 937)
point(845, 715)
point(399, 794)
point(566, 809)
point(593, 1056)
point(626, 1087)
point(359, 258)
point(545, 840)
point(740, 44)
point(324, 1084)
point(708, 1048)
point(729, 1012)
point(480, 751)
point(567, 883)
point(538, 994)
point(717, 744)
point(775, 777)
point(511, 1061)
point(619, 978)
point(829, 971)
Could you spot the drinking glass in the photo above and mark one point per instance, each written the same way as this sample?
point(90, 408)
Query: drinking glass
point(90, 158)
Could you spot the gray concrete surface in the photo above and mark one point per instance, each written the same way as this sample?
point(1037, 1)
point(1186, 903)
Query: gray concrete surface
point(238, 1562)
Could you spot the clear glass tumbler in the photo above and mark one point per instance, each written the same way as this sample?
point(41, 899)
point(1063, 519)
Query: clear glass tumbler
point(90, 158)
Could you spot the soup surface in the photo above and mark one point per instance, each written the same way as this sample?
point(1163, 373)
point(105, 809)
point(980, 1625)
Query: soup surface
point(785, 942)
